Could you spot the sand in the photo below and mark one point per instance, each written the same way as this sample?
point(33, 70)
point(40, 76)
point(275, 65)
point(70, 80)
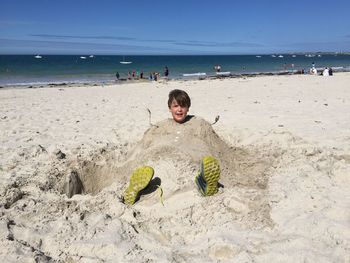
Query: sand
point(283, 143)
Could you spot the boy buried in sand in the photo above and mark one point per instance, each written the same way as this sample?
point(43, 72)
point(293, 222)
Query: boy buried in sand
point(207, 179)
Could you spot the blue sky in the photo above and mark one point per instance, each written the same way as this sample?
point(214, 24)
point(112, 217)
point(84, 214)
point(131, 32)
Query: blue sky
point(173, 27)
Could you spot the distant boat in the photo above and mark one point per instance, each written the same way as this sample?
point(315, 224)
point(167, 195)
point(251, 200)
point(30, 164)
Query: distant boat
point(199, 74)
point(82, 57)
point(226, 73)
point(293, 56)
point(91, 56)
point(258, 56)
point(125, 62)
point(273, 56)
point(319, 55)
point(38, 56)
point(280, 56)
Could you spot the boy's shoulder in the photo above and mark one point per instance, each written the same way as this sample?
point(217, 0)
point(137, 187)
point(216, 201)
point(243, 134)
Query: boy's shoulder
point(190, 119)
point(191, 122)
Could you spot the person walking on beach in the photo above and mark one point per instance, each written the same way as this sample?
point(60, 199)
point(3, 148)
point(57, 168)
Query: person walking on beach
point(117, 75)
point(217, 68)
point(166, 71)
point(207, 179)
point(330, 72)
point(325, 72)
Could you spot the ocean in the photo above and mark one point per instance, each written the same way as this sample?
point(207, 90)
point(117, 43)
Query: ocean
point(16, 70)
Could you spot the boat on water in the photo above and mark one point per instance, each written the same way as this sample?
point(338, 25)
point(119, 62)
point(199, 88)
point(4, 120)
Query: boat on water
point(273, 56)
point(38, 56)
point(226, 73)
point(293, 56)
point(280, 56)
point(258, 56)
point(82, 57)
point(198, 74)
point(91, 56)
point(125, 62)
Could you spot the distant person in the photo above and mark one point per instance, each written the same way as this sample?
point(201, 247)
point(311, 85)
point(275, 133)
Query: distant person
point(117, 75)
point(313, 64)
point(217, 68)
point(313, 71)
point(166, 71)
point(141, 74)
point(325, 72)
point(330, 71)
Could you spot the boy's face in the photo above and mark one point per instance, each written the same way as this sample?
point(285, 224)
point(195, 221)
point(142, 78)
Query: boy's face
point(179, 113)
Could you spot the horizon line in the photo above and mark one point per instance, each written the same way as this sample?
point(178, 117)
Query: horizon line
point(174, 54)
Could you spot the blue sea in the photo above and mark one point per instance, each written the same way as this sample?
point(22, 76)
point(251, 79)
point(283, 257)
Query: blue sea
point(18, 70)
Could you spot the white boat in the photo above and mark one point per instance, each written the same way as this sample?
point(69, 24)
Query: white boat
point(226, 73)
point(199, 74)
point(38, 56)
point(273, 56)
point(82, 57)
point(293, 56)
point(258, 56)
point(280, 56)
point(125, 62)
point(91, 56)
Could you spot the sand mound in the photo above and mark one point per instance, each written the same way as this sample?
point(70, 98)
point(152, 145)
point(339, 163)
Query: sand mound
point(171, 149)
point(71, 228)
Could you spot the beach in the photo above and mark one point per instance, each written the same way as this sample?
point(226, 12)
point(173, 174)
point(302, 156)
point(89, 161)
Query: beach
point(286, 198)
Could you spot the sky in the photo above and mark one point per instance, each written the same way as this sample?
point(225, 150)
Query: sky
point(178, 27)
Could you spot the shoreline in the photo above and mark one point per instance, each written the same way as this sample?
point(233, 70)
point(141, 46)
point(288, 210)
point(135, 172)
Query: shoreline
point(194, 77)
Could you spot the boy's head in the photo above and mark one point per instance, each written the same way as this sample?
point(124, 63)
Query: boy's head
point(179, 103)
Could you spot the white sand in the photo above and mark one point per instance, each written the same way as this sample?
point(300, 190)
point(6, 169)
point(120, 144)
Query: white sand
point(285, 157)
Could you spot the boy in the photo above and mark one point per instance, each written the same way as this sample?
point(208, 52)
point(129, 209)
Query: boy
point(179, 103)
point(207, 179)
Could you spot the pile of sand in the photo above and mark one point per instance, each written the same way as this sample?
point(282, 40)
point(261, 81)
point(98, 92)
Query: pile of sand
point(64, 228)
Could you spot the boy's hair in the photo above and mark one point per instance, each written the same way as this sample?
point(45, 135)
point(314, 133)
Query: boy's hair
point(181, 98)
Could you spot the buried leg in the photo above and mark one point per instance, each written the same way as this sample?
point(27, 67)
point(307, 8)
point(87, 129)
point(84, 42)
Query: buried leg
point(208, 176)
point(138, 181)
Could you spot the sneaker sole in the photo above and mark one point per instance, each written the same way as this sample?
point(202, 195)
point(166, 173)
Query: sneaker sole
point(138, 181)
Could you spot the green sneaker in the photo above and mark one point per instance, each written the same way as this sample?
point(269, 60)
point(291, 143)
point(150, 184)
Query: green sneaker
point(138, 181)
point(208, 176)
